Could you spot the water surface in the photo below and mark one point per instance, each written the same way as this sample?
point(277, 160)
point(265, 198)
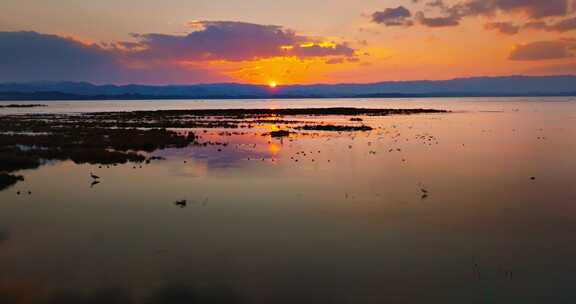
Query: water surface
point(320, 217)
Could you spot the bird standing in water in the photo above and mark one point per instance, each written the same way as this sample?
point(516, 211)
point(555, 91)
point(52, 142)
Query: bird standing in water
point(181, 203)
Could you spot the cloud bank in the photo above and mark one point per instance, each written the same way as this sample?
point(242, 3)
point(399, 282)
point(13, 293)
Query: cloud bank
point(235, 41)
point(544, 50)
point(155, 57)
point(26, 55)
point(548, 15)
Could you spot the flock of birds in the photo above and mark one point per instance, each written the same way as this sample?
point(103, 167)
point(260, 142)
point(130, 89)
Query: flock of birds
point(392, 134)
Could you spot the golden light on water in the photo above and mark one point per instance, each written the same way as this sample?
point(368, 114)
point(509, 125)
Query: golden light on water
point(274, 148)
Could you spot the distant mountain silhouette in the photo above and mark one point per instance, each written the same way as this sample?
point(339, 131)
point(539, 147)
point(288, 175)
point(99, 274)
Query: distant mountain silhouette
point(461, 87)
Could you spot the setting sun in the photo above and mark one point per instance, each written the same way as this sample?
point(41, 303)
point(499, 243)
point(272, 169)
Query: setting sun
point(272, 84)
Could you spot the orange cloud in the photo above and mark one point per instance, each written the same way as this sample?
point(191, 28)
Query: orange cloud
point(282, 69)
point(234, 41)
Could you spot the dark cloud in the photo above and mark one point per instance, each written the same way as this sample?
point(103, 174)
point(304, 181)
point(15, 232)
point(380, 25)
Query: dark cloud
point(561, 26)
point(503, 27)
point(31, 56)
point(531, 8)
point(317, 50)
point(543, 50)
point(234, 41)
point(399, 16)
point(34, 56)
point(441, 14)
point(154, 58)
point(535, 8)
point(436, 3)
point(565, 25)
point(444, 21)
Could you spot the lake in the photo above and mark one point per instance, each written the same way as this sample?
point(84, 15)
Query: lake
point(473, 206)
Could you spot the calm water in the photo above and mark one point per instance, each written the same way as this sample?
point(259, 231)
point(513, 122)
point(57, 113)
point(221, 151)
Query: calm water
point(345, 223)
point(548, 104)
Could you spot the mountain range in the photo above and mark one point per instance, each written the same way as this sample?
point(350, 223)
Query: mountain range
point(460, 87)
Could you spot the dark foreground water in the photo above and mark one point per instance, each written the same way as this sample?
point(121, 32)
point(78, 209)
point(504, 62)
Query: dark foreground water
point(475, 206)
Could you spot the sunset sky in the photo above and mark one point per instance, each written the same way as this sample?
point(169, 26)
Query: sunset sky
point(288, 42)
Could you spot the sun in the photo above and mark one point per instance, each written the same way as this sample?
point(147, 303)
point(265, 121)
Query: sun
point(272, 84)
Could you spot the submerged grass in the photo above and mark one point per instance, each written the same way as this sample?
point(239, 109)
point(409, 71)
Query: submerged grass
point(280, 133)
point(29, 140)
point(8, 180)
point(82, 145)
point(335, 128)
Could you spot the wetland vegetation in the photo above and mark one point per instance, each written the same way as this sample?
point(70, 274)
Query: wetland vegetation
point(28, 141)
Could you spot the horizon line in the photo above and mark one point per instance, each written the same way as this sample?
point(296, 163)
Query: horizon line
point(280, 85)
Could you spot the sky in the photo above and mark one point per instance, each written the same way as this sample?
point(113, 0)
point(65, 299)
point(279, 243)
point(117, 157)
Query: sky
point(286, 42)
